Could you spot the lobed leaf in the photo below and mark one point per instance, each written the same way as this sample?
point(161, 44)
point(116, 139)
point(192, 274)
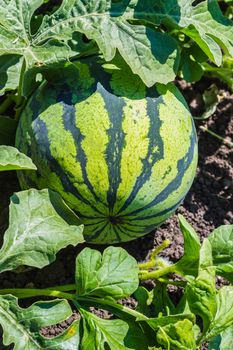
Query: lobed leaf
point(113, 274)
point(204, 22)
point(22, 326)
point(128, 27)
point(36, 231)
point(152, 55)
point(12, 159)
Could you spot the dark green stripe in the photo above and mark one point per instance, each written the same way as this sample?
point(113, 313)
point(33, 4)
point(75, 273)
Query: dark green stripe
point(114, 228)
point(114, 106)
point(69, 122)
point(96, 233)
point(44, 145)
point(161, 213)
point(95, 223)
point(152, 157)
point(121, 230)
point(183, 165)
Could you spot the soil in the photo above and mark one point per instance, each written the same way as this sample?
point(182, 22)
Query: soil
point(208, 205)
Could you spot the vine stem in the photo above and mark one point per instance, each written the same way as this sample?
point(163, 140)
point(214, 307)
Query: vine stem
point(156, 274)
point(226, 142)
point(109, 305)
point(58, 292)
point(89, 301)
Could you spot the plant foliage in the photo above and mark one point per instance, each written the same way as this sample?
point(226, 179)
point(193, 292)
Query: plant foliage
point(158, 40)
point(102, 279)
point(148, 36)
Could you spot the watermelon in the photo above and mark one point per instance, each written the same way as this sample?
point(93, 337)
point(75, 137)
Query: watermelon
point(122, 156)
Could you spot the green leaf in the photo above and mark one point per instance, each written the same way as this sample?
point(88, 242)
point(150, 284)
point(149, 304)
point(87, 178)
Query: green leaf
point(12, 159)
point(204, 23)
point(152, 55)
point(100, 334)
point(145, 50)
point(36, 232)
point(144, 300)
point(68, 340)
point(10, 68)
point(191, 70)
point(223, 317)
point(113, 274)
point(221, 241)
point(201, 292)
point(22, 326)
point(223, 341)
point(211, 101)
point(16, 41)
point(161, 301)
point(7, 130)
point(178, 336)
point(224, 73)
point(188, 264)
point(158, 322)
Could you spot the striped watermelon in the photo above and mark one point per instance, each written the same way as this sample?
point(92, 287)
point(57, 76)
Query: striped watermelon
point(123, 156)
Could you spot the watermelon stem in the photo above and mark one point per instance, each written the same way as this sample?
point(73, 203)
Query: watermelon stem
point(224, 140)
point(154, 260)
point(156, 274)
point(24, 293)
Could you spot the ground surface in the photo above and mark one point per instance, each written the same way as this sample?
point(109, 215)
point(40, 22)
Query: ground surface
point(209, 203)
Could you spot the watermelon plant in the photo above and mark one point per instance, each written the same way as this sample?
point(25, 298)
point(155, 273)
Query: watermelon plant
point(105, 139)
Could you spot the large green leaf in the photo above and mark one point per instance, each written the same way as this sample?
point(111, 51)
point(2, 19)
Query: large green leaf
point(36, 232)
point(152, 55)
point(16, 41)
point(113, 274)
point(204, 23)
point(22, 326)
point(12, 159)
point(221, 241)
point(100, 334)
